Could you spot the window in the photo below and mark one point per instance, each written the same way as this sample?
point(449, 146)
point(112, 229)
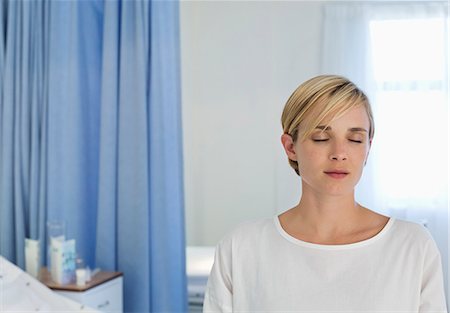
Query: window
point(409, 68)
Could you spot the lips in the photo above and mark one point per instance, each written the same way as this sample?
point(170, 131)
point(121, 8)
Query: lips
point(337, 173)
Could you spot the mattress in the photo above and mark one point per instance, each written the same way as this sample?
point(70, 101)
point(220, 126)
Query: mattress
point(199, 261)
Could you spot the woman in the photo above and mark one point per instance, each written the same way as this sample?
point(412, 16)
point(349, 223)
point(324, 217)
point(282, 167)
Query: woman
point(328, 253)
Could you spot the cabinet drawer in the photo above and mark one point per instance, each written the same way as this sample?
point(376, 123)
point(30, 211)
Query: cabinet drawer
point(106, 298)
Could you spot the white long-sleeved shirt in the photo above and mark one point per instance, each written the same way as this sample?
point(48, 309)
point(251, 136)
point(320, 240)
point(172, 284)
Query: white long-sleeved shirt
point(261, 268)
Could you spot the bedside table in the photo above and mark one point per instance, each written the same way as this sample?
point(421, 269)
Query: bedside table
point(104, 292)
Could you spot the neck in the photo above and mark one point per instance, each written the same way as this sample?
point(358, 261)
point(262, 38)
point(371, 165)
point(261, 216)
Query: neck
point(327, 216)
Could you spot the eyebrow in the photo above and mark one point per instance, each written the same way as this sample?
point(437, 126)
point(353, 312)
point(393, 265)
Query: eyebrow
point(352, 129)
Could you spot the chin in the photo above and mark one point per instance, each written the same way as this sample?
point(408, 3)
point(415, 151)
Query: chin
point(338, 191)
point(333, 189)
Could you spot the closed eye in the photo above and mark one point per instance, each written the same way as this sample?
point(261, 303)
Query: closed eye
point(356, 141)
point(319, 140)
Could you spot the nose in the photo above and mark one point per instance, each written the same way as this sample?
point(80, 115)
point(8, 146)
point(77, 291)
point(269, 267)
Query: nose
point(338, 152)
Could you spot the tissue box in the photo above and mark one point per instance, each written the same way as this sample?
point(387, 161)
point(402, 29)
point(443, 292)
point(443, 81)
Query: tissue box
point(63, 261)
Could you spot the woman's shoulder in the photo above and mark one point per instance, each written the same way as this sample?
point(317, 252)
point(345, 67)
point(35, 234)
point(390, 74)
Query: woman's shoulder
point(409, 231)
point(410, 227)
point(248, 231)
point(250, 227)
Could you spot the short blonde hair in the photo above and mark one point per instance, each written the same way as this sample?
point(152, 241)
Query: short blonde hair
point(318, 98)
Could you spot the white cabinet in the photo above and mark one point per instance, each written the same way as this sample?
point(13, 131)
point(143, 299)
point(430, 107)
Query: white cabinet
point(104, 292)
point(106, 297)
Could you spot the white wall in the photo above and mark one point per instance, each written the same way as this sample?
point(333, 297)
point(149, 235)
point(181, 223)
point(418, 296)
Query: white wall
point(240, 62)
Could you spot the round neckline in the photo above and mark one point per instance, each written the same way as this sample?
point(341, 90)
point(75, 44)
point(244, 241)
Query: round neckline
point(362, 243)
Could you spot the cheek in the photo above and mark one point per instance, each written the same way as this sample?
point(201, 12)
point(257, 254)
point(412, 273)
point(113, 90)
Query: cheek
point(360, 159)
point(361, 155)
point(309, 159)
point(364, 154)
point(304, 155)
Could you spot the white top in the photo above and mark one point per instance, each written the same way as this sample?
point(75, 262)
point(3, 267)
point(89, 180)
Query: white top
point(261, 268)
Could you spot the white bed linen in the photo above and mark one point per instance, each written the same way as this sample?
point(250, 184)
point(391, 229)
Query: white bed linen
point(20, 292)
point(198, 266)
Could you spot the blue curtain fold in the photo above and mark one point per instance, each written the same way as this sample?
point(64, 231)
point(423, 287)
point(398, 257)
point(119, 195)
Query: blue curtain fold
point(140, 153)
point(23, 125)
point(91, 134)
point(166, 191)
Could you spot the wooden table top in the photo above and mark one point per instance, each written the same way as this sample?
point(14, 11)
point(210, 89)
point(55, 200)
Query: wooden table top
point(97, 279)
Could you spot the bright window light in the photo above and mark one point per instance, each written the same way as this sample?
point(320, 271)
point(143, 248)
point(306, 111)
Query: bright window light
point(400, 46)
point(412, 111)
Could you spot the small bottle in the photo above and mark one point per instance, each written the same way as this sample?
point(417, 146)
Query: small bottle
point(80, 272)
point(88, 274)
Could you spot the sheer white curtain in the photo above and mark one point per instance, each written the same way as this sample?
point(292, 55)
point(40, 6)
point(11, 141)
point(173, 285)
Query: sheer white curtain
point(398, 53)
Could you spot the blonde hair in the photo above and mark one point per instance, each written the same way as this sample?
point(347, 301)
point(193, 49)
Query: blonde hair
point(319, 98)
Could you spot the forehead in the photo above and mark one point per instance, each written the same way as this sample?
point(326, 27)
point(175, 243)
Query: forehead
point(329, 107)
point(346, 114)
point(353, 117)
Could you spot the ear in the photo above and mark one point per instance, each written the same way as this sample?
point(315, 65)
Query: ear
point(288, 145)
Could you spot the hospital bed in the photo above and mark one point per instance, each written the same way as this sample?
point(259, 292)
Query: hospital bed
point(199, 261)
point(20, 292)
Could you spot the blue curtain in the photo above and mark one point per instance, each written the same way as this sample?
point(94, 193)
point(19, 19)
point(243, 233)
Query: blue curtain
point(91, 134)
point(23, 125)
